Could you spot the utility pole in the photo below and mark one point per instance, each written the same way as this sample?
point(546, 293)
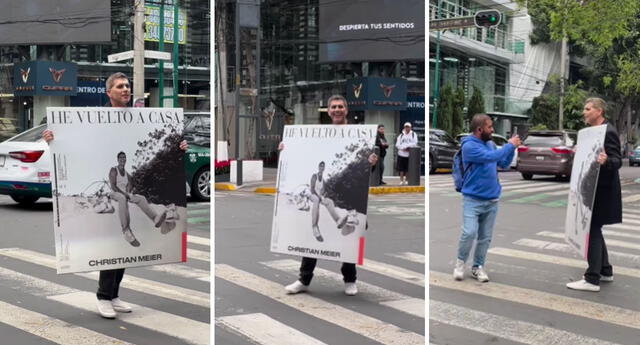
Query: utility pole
point(138, 53)
point(436, 87)
point(563, 62)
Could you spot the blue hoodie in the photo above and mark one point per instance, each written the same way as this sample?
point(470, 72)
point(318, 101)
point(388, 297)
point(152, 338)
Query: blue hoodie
point(481, 180)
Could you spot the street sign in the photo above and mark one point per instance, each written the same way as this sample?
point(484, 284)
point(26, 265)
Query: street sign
point(120, 56)
point(451, 23)
point(148, 54)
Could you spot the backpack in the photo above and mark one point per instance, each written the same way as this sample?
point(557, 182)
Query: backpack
point(458, 172)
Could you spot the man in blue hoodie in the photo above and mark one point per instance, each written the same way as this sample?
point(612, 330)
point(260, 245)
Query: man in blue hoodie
point(481, 191)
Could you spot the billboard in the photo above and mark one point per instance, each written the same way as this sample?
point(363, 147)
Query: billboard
point(152, 24)
point(372, 30)
point(45, 78)
point(322, 192)
point(55, 21)
point(119, 197)
point(374, 93)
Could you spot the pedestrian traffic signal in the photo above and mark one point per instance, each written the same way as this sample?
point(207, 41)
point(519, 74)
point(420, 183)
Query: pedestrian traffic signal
point(487, 18)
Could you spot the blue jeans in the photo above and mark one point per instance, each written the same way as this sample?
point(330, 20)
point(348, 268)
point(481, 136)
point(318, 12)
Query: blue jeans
point(479, 216)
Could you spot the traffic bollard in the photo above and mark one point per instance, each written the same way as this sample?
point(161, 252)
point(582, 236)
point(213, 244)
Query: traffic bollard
point(413, 175)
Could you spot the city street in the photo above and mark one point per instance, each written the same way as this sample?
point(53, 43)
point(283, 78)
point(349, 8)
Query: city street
point(526, 301)
point(171, 303)
point(251, 304)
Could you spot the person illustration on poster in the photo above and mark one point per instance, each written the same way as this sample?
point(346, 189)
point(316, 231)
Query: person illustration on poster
point(121, 191)
point(338, 111)
point(108, 300)
point(318, 197)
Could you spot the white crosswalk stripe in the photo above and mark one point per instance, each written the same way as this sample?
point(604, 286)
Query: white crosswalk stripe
point(263, 330)
point(364, 325)
point(419, 258)
point(394, 272)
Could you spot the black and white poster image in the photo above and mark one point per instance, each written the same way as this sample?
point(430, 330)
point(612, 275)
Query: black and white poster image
point(582, 190)
point(118, 187)
point(322, 191)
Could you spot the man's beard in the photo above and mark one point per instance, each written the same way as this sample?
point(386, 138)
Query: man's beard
point(485, 136)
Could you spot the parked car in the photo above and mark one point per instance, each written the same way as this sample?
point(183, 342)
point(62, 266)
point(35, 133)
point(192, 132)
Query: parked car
point(634, 156)
point(25, 167)
point(547, 153)
point(442, 147)
point(25, 162)
point(499, 140)
point(197, 132)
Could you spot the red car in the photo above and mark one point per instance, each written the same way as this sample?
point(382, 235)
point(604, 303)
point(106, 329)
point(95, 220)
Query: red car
point(547, 153)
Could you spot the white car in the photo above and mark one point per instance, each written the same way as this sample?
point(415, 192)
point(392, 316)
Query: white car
point(25, 167)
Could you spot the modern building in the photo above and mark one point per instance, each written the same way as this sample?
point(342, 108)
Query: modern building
point(286, 76)
point(91, 61)
point(500, 61)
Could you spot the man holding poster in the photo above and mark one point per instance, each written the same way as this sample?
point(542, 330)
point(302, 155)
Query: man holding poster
point(337, 109)
point(108, 301)
point(607, 206)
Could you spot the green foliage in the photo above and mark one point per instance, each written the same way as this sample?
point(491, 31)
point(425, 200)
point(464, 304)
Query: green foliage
point(545, 108)
point(445, 109)
point(457, 125)
point(476, 103)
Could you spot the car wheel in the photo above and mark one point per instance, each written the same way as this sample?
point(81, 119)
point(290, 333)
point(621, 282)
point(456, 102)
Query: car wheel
point(527, 176)
point(25, 200)
point(201, 185)
point(432, 166)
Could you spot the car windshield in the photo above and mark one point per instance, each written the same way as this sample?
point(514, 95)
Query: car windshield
point(543, 140)
point(442, 136)
point(32, 135)
point(197, 129)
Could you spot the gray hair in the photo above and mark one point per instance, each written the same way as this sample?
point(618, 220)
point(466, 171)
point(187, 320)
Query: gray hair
point(112, 79)
point(337, 98)
point(597, 103)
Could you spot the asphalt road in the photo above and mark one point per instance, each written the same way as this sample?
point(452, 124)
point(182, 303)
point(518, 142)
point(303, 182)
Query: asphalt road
point(251, 304)
point(526, 301)
point(37, 306)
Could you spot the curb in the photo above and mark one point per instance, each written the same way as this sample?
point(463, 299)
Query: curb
point(266, 190)
point(225, 186)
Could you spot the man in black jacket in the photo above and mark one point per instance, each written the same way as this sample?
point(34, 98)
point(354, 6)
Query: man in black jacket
point(382, 143)
point(607, 206)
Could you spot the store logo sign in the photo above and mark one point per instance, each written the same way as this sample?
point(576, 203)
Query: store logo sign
point(388, 90)
point(56, 75)
point(357, 89)
point(25, 74)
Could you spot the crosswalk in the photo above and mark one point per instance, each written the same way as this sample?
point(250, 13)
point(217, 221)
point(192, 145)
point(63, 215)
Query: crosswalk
point(549, 194)
point(268, 327)
point(527, 301)
point(171, 303)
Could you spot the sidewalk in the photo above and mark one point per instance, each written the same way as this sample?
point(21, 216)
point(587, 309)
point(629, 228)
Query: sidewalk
point(268, 185)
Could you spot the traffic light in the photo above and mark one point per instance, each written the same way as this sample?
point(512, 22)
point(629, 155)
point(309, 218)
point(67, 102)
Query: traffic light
point(487, 18)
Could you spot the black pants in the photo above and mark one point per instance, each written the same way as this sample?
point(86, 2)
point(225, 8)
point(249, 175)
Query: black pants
point(381, 163)
point(109, 283)
point(309, 264)
point(597, 256)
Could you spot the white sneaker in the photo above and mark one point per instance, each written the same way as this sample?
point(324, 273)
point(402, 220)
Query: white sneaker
point(296, 287)
point(480, 274)
point(119, 306)
point(458, 271)
point(583, 285)
point(350, 289)
point(105, 309)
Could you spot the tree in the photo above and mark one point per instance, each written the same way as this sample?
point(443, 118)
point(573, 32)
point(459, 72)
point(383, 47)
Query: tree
point(476, 103)
point(545, 107)
point(445, 107)
point(457, 117)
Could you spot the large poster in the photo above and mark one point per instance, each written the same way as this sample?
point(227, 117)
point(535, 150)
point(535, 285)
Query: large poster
point(582, 191)
point(118, 187)
point(322, 192)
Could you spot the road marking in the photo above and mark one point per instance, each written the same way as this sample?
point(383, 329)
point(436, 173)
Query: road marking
point(198, 254)
point(623, 227)
point(204, 241)
point(191, 331)
point(54, 330)
point(151, 287)
point(182, 270)
point(557, 203)
point(31, 285)
point(540, 299)
point(530, 198)
point(564, 188)
point(263, 330)
point(409, 256)
point(632, 211)
point(632, 218)
point(504, 328)
point(527, 184)
point(631, 198)
point(364, 325)
point(386, 297)
point(609, 242)
point(609, 232)
point(198, 220)
point(394, 272)
point(198, 211)
point(557, 260)
point(565, 248)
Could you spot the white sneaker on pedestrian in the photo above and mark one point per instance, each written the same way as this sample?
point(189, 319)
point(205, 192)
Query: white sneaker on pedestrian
point(105, 309)
point(458, 271)
point(120, 306)
point(583, 285)
point(350, 289)
point(480, 274)
point(296, 287)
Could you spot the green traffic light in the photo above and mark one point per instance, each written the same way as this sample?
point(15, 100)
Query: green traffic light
point(493, 19)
